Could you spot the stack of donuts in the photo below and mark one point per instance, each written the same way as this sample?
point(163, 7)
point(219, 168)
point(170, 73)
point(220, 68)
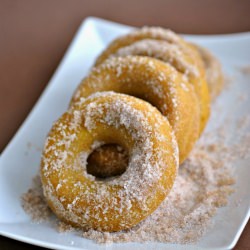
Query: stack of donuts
point(112, 158)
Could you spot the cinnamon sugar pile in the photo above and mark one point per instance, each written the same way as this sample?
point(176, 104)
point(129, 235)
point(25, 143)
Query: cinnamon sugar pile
point(34, 203)
point(203, 184)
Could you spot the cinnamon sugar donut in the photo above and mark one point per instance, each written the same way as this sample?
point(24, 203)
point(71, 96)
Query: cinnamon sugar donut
point(192, 57)
point(158, 83)
point(178, 58)
point(156, 33)
point(214, 75)
point(117, 203)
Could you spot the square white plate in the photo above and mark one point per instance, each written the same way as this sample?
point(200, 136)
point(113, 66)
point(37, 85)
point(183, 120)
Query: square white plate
point(20, 160)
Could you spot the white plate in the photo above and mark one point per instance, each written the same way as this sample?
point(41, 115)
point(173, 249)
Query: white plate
point(20, 160)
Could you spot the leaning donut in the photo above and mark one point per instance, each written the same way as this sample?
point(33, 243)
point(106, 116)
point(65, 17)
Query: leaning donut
point(156, 33)
point(156, 82)
point(117, 203)
point(214, 74)
point(190, 52)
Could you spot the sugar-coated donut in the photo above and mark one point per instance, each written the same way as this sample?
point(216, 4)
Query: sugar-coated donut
point(190, 52)
point(156, 33)
point(180, 59)
point(162, 50)
point(117, 203)
point(214, 74)
point(156, 82)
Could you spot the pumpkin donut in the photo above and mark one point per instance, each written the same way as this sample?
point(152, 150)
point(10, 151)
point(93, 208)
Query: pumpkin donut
point(192, 56)
point(156, 82)
point(156, 33)
point(178, 58)
point(117, 203)
point(214, 75)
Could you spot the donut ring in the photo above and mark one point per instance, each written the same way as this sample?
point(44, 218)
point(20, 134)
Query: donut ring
point(118, 203)
point(158, 83)
point(214, 75)
point(160, 34)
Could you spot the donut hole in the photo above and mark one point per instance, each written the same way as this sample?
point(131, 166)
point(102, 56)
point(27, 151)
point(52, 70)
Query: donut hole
point(108, 160)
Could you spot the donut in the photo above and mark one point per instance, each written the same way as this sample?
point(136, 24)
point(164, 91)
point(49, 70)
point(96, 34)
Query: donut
point(214, 74)
point(156, 82)
point(178, 58)
point(162, 50)
point(120, 202)
point(156, 33)
point(192, 57)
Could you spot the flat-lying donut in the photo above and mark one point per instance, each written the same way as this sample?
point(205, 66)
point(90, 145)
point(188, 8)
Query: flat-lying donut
point(190, 52)
point(156, 82)
point(117, 203)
